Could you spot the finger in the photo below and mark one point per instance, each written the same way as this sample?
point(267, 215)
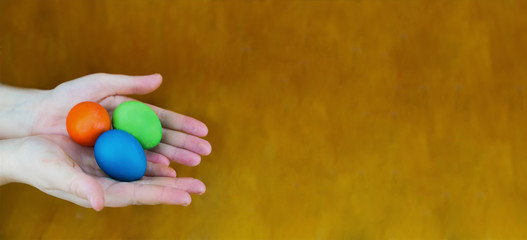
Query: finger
point(79, 184)
point(180, 122)
point(69, 197)
point(115, 84)
point(158, 170)
point(178, 155)
point(157, 158)
point(186, 141)
point(169, 119)
point(86, 187)
point(190, 185)
point(123, 194)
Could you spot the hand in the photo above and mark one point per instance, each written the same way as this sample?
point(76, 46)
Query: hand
point(38, 112)
point(44, 112)
point(59, 167)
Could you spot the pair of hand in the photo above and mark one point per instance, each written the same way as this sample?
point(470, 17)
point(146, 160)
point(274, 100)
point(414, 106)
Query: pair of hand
point(37, 150)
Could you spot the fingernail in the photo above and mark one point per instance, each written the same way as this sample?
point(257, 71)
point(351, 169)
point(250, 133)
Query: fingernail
point(173, 173)
point(205, 130)
point(206, 148)
point(187, 201)
point(155, 75)
point(92, 202)
point(193, 160)
point(200, 188)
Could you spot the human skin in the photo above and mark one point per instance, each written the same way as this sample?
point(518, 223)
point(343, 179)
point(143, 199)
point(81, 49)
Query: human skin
point(37, 121)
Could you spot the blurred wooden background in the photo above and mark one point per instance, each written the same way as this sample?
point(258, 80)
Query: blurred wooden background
point(328, 119)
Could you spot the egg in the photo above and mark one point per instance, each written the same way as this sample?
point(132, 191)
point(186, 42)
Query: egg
point(139, 120)
point(86, 121)
point(120, 155)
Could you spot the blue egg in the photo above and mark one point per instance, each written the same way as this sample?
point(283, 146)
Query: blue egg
point(120, 155)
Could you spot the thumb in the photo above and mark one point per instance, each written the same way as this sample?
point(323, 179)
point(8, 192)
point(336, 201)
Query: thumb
point(115, 84)
point(86, 187)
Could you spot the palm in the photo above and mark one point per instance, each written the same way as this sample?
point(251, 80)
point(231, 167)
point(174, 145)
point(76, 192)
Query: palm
point(82, 156)
point(180, 142)
point(74, 175)
point(55, 107)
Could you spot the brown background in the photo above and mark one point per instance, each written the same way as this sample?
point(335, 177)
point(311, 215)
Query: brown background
point(328, 119)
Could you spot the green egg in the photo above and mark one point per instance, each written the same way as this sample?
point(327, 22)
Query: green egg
point(139, 120)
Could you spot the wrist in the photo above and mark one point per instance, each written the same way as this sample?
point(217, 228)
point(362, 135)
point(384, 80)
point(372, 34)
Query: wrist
point(7, 150)
point(18, 107)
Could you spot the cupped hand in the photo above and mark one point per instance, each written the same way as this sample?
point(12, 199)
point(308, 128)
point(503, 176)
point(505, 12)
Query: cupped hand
point(181, 140)
point(58, 166)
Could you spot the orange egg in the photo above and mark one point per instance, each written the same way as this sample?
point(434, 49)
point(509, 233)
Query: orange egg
point(86, 121)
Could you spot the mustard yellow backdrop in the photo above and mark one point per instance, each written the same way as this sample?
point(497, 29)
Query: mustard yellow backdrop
point(358, 119)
